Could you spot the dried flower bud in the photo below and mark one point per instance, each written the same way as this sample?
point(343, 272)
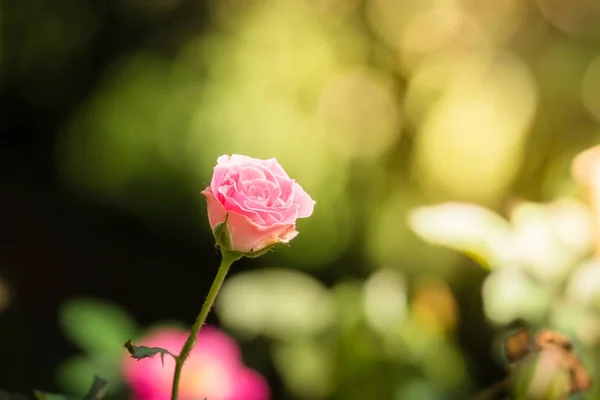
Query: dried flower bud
point(545, 367)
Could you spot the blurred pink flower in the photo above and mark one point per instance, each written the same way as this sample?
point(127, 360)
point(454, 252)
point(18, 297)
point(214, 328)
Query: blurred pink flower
point(214, 369)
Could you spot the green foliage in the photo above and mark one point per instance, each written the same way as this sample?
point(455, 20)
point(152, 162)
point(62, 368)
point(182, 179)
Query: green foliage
point(4, 395)
point(73, 374)
point(53, 396)
point(306, 367)
point(278, 303)
point(96, 326)
point(96, 392)
point(326, 342)
point(467, 228)
point(222, 235)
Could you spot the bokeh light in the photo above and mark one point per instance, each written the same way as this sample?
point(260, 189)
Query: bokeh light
point(471, 112)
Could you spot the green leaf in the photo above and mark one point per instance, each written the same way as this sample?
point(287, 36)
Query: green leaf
point(53, 396)
point(552, 236)
point(140, 352)
point(306, 366)
point(74, 373)
point(468, 228)
point(96, 392)
point(221, 233)
point(4, 395)
point(278, 303)
point(96, 326)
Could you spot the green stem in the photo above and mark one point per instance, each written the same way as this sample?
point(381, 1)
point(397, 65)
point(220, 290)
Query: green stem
point(228, 258)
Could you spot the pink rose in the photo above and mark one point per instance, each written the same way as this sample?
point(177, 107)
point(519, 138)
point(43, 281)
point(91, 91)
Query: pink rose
point(259, 200)
point(213, 370)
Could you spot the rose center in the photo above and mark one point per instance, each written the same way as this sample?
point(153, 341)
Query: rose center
point(258, 193)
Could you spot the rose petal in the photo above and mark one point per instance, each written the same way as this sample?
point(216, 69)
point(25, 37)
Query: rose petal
point(233, 200)
point(251, 173)
point(270, 215)
point(250, 385)
point(273, 165)
point(227, 168)
point(290, 213)
point(219, 173)
point(305, 202)
point(246, 236)
point(216, 211)
point(215, 343)
point(262, 189)
point(287, 190)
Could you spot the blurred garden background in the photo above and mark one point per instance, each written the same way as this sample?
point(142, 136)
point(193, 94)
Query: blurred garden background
point(436, 136)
